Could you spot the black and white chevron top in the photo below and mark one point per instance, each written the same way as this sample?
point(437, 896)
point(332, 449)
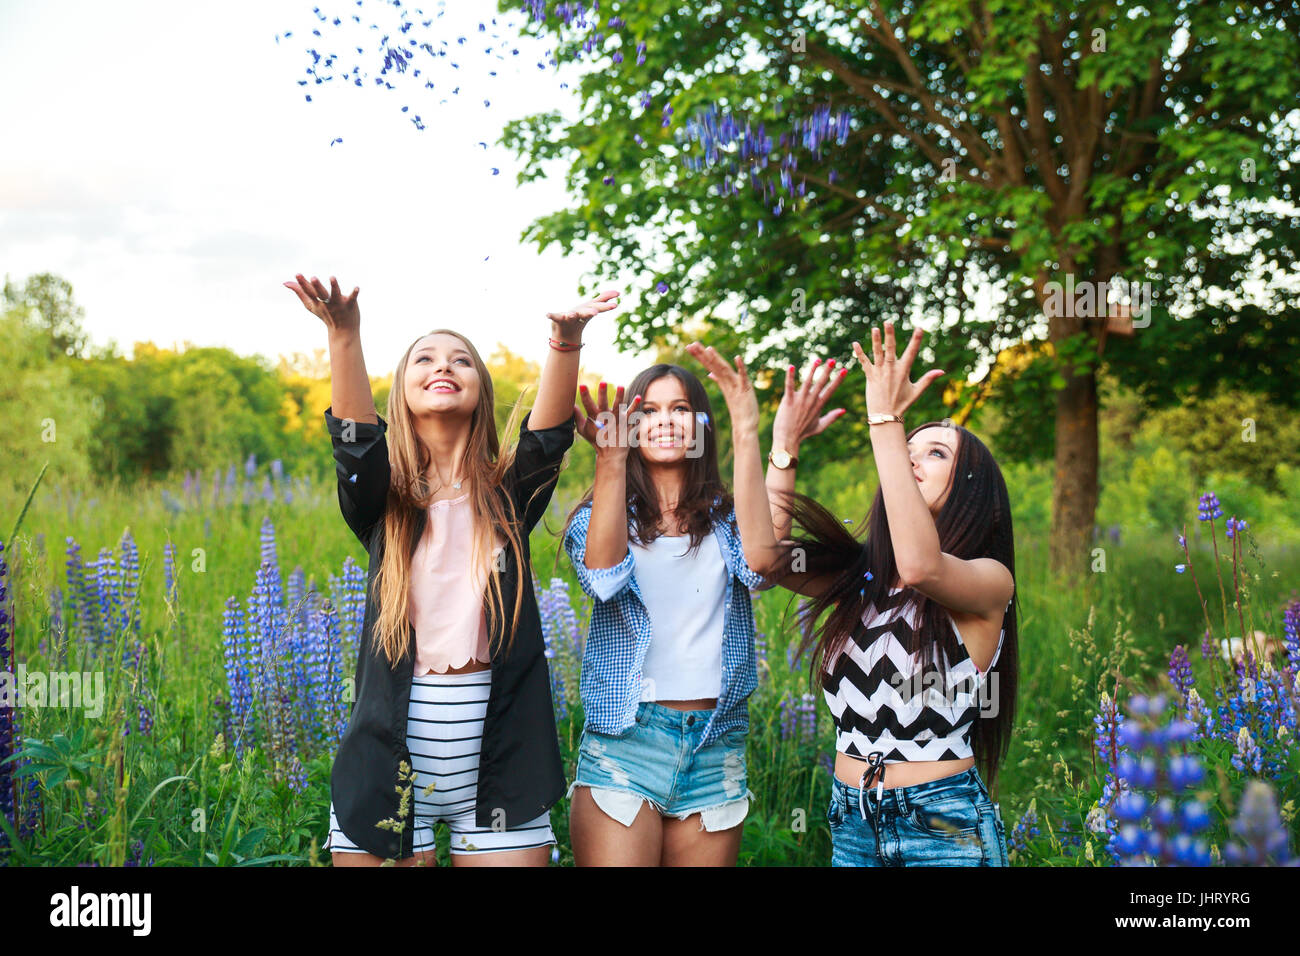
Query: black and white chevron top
point(884, 700)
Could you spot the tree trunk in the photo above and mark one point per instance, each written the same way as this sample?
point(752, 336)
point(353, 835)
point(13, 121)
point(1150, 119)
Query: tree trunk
point(1074, 488)
point(1074, 491)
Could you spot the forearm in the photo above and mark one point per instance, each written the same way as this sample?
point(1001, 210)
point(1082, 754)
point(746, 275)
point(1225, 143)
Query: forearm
point(558, 385)
point(753, 509)
point(780, 485)
point(607, 531)
point(350, 395)
point(911, 526)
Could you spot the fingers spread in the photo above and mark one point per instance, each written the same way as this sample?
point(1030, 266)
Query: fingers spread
point(297, 290)
point(913, 346)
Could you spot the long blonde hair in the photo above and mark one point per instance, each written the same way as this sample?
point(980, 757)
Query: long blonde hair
point(409, 494)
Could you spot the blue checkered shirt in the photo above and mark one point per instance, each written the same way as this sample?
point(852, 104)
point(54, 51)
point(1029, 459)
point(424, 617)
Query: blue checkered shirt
point(619, 636)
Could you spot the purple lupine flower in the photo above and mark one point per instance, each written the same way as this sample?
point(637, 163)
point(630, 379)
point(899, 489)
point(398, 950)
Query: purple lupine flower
point(789, 718)
point(238, 678)
point(250, 466)
point(8, 714)
point(1291, 631)
point(169, 571)
point(83, 623)
point(807, 718)
point(1208, 508)
point(1261, 838)
point(1247, 757)
point(108, 595)
point(130, 580)
point(1180, 671)
point(1152, 827)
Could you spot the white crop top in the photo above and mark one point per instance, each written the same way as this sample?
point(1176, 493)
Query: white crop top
point(684, 595)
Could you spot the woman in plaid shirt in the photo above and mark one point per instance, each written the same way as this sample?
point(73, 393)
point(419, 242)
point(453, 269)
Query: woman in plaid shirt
point(669, 659)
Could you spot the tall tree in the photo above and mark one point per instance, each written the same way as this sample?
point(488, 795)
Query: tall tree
point(50, 304)
point(1027, 150)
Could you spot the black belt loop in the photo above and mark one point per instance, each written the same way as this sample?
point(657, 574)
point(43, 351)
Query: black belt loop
point(875, 772)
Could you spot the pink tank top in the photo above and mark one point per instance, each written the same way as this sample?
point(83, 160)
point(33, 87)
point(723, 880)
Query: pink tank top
point(446, 594)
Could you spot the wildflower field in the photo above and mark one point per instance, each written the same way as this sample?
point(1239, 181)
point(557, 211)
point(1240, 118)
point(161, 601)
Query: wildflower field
point(213, 627)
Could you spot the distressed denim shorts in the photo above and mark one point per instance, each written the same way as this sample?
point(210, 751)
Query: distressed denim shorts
point(951, 821)
point(654, 762)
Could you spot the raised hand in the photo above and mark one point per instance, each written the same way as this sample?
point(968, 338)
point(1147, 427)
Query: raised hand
point(799, 415)
point(742, 403)
point(568, 325)
point(890, 390)
point(339, 313)
point(609, 430)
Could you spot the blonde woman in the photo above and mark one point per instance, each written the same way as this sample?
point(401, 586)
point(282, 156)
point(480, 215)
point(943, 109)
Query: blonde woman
point(453, 717)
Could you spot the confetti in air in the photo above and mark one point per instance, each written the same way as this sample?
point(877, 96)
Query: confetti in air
point(392, 45)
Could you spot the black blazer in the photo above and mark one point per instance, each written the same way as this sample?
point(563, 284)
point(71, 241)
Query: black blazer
point(520, 773)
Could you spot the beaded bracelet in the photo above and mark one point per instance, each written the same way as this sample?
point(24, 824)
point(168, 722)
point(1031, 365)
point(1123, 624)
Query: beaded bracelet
point(564, 346)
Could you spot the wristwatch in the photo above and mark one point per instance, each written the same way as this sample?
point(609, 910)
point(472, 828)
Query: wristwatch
point(781, 458)
point(881, 419)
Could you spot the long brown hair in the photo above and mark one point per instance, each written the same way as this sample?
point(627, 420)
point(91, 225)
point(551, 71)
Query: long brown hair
point(705, 499)
point(409, 494)
point(974, 522)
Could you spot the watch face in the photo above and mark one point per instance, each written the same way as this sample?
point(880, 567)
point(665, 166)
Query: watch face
point(781, 459)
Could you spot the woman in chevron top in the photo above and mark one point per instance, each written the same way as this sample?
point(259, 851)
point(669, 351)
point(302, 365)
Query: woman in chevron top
point(917, 651)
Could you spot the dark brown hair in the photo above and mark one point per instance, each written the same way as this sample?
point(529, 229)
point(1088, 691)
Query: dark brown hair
point(974, 522)
point(705, 499)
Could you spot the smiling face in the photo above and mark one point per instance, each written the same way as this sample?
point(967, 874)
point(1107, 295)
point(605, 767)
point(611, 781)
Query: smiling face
point(667, 426)
point(933, 451)
point(441, 377)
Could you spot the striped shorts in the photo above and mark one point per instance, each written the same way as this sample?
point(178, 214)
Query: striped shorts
point(444, 730)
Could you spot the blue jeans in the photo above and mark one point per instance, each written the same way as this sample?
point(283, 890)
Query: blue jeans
point(951, 821)
point(655, 762)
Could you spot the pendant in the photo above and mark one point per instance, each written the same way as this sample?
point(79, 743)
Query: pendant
point(456, 485)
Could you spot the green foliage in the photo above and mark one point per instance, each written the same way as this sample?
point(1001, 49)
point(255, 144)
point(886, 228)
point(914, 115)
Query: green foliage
point(45, 409)
point(47, 301)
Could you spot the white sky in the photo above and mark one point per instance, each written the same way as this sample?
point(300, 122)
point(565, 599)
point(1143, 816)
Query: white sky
point(161, 157)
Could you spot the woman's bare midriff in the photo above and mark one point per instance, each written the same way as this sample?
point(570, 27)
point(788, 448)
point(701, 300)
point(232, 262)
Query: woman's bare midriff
point(848, 770)
point(472, 667)
point(701, 704)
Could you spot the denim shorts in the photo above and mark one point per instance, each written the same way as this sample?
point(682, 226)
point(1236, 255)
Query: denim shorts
point(951, 821)
point(655, 762)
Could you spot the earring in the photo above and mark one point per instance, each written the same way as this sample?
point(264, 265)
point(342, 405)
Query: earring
point(968, 474)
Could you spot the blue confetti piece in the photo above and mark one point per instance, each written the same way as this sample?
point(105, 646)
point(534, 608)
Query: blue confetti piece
point(495, 171)
point(337, 139)
point(353, 478)
point(661, 287)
